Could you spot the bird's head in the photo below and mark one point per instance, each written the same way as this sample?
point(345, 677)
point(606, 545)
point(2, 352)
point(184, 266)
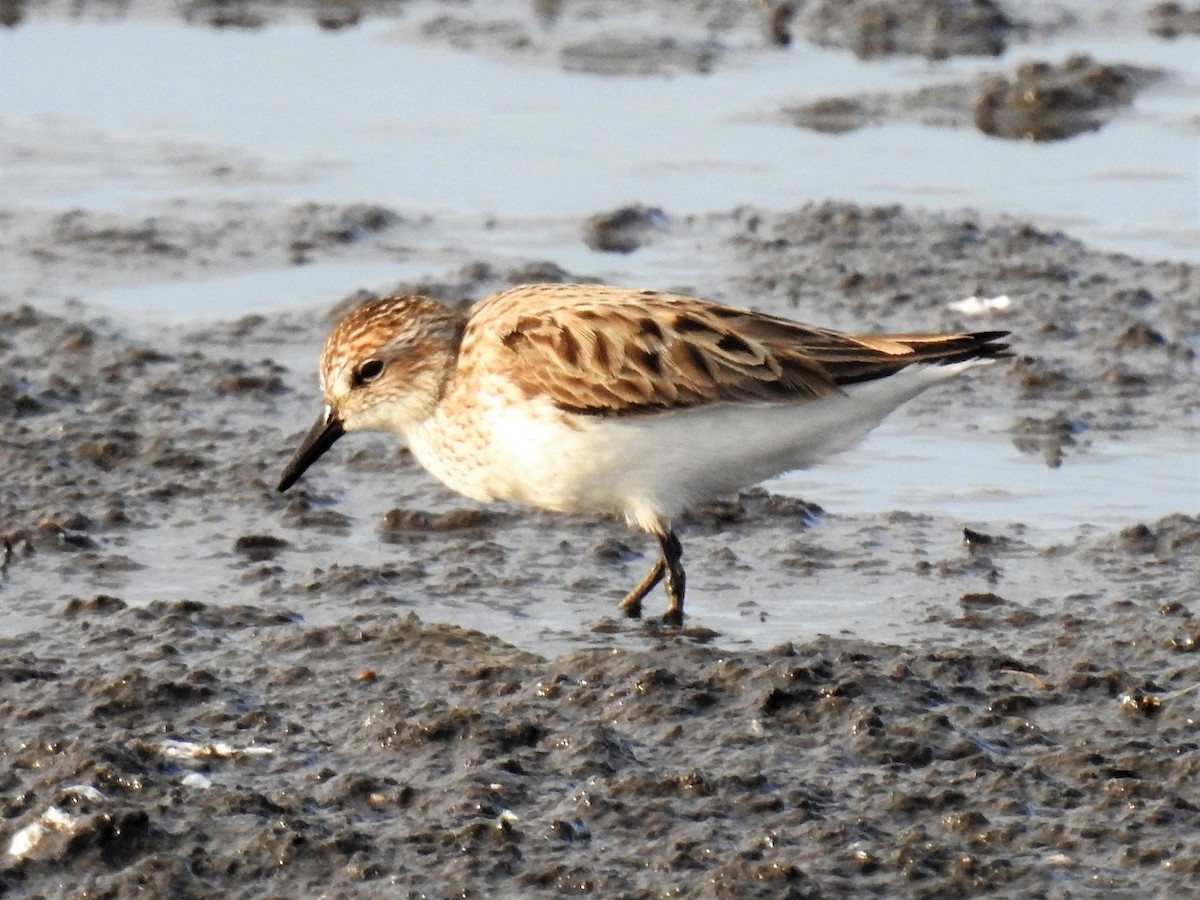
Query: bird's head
point(384, 367)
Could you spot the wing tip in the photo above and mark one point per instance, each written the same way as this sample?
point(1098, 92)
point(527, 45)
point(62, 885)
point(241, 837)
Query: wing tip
point(984, 345)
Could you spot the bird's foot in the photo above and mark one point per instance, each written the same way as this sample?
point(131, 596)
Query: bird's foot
point(632, 607)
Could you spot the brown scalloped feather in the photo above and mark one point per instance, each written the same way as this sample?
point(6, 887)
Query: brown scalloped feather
point(601, 350)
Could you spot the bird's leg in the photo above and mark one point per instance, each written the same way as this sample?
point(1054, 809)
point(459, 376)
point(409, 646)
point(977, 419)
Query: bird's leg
point(670, 566)
point(632, 604)
point(672, 554)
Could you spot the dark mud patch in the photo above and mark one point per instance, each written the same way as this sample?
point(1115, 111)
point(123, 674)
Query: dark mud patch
point(188, 240)
point(1044, 102)
point(932, 28)
point(642, 38)
point(618, 55)
point(195, 750)
point(1039, 101)
point(1171, 20)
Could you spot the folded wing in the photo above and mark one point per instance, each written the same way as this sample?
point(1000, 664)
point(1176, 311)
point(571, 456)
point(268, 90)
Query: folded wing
point(608, 351)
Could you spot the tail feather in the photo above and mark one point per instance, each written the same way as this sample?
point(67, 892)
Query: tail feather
point(928, 349)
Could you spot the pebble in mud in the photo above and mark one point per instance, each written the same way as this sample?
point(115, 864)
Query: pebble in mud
point(260, 547)
point(398, 522)
point(623, 230)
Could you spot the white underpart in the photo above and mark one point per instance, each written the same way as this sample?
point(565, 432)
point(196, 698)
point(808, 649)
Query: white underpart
point(651, 468)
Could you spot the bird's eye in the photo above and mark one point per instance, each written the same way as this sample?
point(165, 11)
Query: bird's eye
point(368, 371)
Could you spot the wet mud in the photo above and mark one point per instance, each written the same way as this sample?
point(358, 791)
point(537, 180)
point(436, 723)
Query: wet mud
point(1039, 101)
point(187, 750)
point(931, 28)
point(300, 729)
point(653, 39)
point(372, 688)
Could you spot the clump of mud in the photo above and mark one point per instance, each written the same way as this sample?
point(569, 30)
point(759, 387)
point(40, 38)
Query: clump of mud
point(1043, 102)
point(623, 230)
point(1170, 19)
point(640, 38)
point(627, 55)
point(1040, 101)
point(931, 28)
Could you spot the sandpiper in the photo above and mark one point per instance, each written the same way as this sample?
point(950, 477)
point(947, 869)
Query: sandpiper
point(586, 398)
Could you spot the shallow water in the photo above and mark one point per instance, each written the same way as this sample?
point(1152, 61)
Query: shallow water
point(940, 482)
point(987, 480)
point(109, 115)
point(429, 252)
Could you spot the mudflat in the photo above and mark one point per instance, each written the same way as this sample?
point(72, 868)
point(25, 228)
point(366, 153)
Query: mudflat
point(373, 688)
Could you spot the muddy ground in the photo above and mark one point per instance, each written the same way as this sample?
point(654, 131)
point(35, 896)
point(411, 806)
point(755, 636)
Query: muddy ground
point(210, 689)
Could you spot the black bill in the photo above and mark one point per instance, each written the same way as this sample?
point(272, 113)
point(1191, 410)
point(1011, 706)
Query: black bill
point(324, 434)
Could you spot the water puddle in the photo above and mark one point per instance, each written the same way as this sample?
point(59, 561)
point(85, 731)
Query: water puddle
point(429, 253)
point(986, 481)
point(230, 296)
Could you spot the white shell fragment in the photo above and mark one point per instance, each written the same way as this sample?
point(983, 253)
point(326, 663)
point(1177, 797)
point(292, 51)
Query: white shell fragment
point(981, 306)
point(218, 750)
point(29, 838)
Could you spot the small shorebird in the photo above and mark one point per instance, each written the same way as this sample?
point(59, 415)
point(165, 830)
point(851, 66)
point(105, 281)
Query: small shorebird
point(585, 398)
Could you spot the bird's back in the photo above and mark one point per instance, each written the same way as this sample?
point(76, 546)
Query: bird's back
point(601, 350)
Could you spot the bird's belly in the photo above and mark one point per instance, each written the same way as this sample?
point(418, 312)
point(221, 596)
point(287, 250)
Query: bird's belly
point(652, 467)
point(543, 458)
